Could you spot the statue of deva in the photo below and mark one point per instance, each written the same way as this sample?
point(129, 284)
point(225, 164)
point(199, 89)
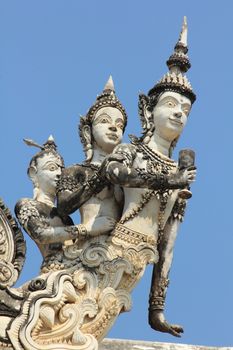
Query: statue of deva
point(131, 201)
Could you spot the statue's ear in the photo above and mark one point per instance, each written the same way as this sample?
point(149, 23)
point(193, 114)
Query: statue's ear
point(86, 131)
point(87, 137)
point(32, 173)
point(148, 116)
point(145, 114)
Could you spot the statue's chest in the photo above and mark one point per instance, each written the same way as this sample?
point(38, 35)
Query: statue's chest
point(153, 162)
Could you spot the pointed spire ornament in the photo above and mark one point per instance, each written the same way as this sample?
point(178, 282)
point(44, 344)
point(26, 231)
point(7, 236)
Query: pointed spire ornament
point(107, 98)
point(184, 33)
point(178, 64)
point(50, 144)
point(109, 85)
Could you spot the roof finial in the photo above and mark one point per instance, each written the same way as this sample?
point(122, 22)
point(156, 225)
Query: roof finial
point(109, 85)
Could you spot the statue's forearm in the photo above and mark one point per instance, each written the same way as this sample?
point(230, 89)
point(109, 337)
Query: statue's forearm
point(124, 176)
point(161, 270)
point(46, 235)
point(72, 196)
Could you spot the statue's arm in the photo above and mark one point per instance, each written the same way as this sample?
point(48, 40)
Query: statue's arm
point(119, 173)
point(39, 228)
point(75, 188)
point(45, 235)
point(160, 276)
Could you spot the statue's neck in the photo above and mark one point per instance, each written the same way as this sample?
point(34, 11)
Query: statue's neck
point(98, 155)
point(46, 198)
point(159, 144)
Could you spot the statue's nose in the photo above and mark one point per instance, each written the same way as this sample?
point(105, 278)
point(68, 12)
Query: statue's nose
point(112, 128)
point(178, 114)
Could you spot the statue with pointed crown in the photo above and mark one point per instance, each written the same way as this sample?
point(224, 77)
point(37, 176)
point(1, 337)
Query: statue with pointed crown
point(157, 209)
point(131, 197)
point(101, 130)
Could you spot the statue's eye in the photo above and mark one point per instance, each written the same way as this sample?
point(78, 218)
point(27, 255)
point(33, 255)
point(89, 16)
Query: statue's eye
point(53, 167)
point(120, 126)
point(104, 120)
point(170, 104)
point(186, 111)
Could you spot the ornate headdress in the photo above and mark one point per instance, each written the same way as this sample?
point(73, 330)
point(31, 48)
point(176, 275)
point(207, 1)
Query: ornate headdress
point(108, 98)
point(48, 147)
point(175, 80)
point(178, 64)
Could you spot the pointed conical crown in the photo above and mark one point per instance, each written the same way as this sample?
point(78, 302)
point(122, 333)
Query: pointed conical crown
point(108, 98)
point(178, 63)
point(109, 85)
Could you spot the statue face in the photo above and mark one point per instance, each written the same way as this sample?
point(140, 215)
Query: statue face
point(170, 115)
point(107, 128)
point(48, 172)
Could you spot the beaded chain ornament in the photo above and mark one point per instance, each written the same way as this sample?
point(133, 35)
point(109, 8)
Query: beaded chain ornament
point(155, 164)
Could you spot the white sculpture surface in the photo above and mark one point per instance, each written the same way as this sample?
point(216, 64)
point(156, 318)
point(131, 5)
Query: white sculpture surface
point(131, 198)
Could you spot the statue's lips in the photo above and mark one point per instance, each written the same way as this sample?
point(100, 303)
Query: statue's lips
point(112, 137)
point(175, 121)
point(56, 181)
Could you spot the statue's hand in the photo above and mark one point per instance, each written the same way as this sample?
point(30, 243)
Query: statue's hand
point(113, 157)
point(100, 225)
point(157, 322)
point(190, 174)
point(183, 178)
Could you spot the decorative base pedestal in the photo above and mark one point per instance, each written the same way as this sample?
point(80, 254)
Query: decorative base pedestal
point(121, 344)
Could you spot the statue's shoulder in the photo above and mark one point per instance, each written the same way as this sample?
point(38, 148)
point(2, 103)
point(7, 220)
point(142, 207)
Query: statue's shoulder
point(75, 176)
point(25, 202)
point(27, 208)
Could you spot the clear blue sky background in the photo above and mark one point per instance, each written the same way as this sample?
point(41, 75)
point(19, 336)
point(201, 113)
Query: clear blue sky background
point(55, 57)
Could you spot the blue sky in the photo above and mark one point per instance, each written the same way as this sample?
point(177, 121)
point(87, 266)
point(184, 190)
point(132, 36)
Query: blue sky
point(55, 57)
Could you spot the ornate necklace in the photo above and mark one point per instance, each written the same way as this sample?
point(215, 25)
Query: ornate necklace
point(155, 161)
point(155, 164)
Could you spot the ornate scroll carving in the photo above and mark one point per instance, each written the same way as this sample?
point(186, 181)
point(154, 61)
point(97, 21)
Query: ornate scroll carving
point(12, 248)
